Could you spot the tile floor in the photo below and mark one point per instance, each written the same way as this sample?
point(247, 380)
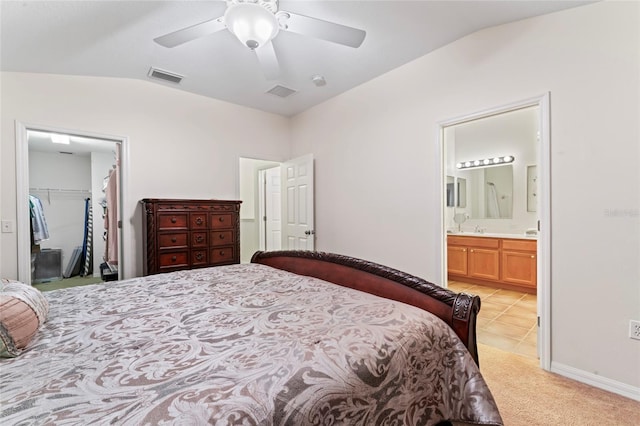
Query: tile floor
point(507, 318)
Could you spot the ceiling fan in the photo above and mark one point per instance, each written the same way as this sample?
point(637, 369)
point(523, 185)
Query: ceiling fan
point(257, 22)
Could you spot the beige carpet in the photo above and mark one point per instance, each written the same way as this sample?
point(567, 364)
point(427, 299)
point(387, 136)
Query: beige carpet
point(529, 396)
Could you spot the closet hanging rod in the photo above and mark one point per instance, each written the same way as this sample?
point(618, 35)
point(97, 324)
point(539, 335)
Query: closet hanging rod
point(73, 191)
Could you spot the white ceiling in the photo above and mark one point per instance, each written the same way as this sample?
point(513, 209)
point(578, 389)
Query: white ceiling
point(115, 39)
point(78, 145)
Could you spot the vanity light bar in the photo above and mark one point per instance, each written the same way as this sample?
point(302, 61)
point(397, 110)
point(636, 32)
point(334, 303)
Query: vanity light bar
point(486, 162)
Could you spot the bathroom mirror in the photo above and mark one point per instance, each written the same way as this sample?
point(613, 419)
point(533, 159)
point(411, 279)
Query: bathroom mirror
point(456, 192)
point(489, 192)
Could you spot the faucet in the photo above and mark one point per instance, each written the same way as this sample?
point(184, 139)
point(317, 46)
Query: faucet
point(479, 230)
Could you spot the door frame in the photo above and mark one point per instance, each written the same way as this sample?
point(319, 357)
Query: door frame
point(22, 194)
point(543, 208)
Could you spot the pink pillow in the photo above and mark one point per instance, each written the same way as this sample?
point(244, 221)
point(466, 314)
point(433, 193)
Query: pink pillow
point(22, 310)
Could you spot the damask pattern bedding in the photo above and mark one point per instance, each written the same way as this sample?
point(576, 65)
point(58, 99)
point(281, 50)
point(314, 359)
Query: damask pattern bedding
point(240, 345)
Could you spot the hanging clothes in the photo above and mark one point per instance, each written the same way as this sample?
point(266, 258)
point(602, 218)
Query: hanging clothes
point(111, 217)
point(39, 229)
point(87, 243)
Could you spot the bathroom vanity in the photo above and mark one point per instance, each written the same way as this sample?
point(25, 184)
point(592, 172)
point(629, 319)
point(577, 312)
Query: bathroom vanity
point(495, 260)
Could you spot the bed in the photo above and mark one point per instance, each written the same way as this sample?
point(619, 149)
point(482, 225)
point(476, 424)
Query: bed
point(292, 338)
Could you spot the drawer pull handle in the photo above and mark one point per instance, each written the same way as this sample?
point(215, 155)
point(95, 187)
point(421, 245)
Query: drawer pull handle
point(471, 251)
point(533, 257)
point(199, 221)
point(174, 258)
point(199, 256)
point(221, 219)
point(199, 239)
point(463, 250)
point(222, 236)
point(221, 253)
point(174, 220)
point(174, 239)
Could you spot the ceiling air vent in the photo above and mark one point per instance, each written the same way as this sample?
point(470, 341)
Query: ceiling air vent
point(165, 75)
point(281, 91)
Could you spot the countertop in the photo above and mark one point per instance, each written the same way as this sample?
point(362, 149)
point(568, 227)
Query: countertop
point(492, 235)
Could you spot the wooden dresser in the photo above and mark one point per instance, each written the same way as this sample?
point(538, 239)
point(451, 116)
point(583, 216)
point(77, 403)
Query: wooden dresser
point(186, 234)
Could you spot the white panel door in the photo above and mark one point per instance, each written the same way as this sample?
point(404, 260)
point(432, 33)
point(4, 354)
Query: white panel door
point(297, 201)
point(273, 201)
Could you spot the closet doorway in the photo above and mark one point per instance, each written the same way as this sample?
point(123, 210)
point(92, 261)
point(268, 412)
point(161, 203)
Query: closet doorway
point(70, 231)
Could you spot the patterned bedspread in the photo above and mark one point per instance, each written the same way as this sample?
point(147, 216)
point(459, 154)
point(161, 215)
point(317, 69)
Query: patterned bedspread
point(240, 345)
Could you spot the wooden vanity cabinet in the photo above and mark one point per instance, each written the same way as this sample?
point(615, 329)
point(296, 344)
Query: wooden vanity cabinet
point(186, 234)
point(519, 262)
point(493, 261)
point(482, 257)
point(457, 260)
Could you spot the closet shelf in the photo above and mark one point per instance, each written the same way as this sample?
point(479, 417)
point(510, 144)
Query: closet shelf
point(68, 191)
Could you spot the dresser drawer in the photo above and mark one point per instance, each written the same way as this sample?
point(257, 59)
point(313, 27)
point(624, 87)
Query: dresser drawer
point(222, 254)
point(172, 221)
point(520, 245)
point(221, 238)
point(222, 221)
point(198, 221)
point(199, 257)
point(483, 242)
point(199, 239)
point(176, 259)
point(173, 240)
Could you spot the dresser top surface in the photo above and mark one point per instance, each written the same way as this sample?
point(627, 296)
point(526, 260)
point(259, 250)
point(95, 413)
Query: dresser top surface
point(186, 200)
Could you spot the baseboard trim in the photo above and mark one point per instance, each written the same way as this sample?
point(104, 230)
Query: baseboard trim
point(594, 380)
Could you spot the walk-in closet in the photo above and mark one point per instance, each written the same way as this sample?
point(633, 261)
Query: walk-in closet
point(73, 208)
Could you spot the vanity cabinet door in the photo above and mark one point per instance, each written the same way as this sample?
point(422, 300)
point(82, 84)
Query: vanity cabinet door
point(457, 260)
point(519, 268)
point(484, 263)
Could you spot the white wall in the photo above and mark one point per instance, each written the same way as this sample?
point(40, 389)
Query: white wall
point(378, 166)
point(181, 145)
point(64, 210)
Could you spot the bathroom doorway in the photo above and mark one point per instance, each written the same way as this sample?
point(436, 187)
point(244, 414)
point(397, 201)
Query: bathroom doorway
point(495, 208)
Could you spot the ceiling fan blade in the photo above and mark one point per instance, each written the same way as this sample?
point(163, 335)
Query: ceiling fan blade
point(268, 61)
point(318, 28)
point(191, 33)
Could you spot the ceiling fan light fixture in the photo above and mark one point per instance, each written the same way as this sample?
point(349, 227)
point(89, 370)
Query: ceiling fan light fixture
point(251, 23)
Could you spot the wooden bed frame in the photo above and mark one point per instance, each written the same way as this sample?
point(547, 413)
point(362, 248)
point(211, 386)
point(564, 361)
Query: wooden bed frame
point(458, 310)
